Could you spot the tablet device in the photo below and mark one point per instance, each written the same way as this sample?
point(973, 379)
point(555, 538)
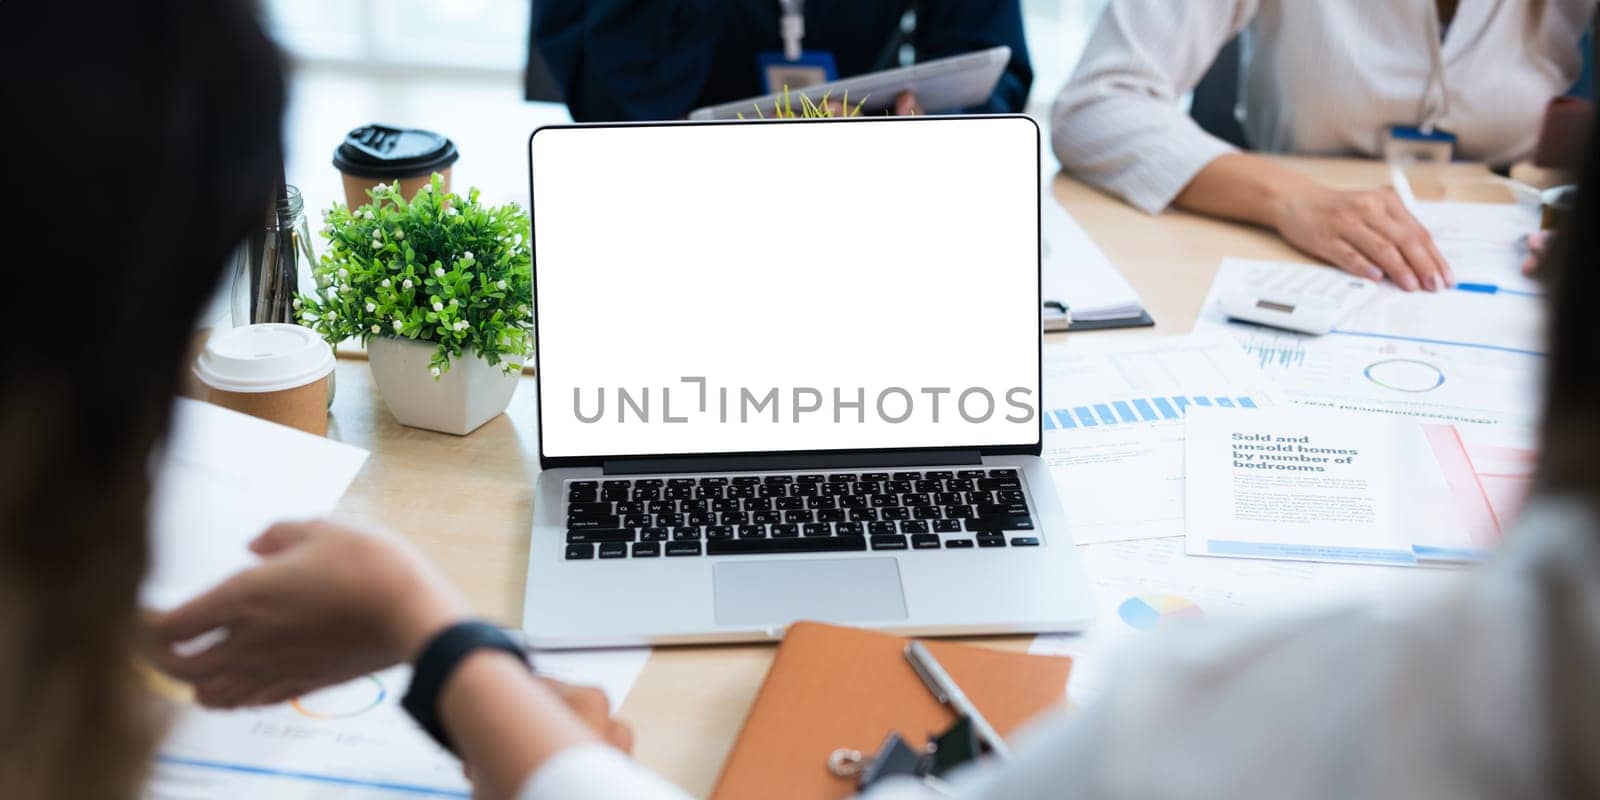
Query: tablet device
point(944, 84)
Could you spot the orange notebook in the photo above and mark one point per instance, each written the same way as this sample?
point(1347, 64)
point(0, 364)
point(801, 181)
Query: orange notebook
point(833, 687)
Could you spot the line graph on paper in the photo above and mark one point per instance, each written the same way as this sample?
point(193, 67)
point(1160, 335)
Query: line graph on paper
point(1452, 384)
point(1278, 351)
point(1272, 351)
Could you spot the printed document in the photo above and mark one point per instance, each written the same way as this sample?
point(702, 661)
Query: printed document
point(1464, 356)
point(1306, 484)
point(1113, 419)
point(349, 741)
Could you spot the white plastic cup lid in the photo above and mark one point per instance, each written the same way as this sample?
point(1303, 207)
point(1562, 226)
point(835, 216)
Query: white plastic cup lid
point(264, 358)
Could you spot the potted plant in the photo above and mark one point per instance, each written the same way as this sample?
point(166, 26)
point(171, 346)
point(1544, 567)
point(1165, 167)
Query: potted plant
point(439, 289)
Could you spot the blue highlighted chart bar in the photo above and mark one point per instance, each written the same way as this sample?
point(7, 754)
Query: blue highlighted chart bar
point(1136, 410)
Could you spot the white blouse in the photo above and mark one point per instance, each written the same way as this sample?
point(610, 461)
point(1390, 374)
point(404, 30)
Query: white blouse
point(1317, 76)
point(1486, 692)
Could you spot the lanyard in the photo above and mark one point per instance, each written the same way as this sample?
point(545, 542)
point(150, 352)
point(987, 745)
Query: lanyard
point(792, 27)
point(1435, 102)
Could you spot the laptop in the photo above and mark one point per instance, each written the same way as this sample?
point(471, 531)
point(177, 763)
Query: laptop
point(791, 370)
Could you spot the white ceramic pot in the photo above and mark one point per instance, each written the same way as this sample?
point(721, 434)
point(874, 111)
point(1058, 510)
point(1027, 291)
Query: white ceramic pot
point(459, 402)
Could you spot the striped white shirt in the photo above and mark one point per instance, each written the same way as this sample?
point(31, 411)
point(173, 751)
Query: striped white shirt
point(1317, 76)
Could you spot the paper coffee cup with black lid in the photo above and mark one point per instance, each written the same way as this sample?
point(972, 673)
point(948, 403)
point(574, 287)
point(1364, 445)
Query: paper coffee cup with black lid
point(274, 371)
point(374, 154)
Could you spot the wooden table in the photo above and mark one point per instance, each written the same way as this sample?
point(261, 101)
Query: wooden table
point(467, 502)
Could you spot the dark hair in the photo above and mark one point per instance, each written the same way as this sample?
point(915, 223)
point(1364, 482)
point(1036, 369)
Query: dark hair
point(140, 142)
point(1569, 461)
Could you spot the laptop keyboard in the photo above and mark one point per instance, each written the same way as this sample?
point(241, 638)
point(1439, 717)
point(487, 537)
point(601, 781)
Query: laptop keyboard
point(800, 512)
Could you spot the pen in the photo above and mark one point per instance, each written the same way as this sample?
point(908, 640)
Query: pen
point(1402, 187)
point(948, 693)
point(1490, 288)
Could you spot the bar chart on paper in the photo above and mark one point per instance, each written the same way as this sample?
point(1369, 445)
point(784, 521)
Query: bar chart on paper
point(1136, 410)
point(1281, 351)
point(1113, 416)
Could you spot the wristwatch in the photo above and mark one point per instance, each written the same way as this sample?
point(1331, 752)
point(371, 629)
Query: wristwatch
point(440, 659)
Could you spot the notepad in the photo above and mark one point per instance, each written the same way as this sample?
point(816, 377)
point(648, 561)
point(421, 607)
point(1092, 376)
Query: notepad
point(832, 687)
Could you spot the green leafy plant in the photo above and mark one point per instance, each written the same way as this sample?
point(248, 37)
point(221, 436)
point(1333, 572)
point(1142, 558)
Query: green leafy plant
point(437, 268)
point(784, 108)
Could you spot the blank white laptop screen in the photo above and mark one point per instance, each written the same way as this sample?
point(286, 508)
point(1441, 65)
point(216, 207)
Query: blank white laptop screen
point(786, 287)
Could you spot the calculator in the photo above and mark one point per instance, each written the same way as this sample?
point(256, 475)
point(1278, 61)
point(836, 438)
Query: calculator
point(1298, 297)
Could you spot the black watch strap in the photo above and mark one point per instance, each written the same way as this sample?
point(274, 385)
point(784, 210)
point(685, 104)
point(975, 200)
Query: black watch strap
point(439, 660)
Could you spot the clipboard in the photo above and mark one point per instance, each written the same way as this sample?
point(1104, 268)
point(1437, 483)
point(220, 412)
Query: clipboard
point(1057, 318)
point(943, 84)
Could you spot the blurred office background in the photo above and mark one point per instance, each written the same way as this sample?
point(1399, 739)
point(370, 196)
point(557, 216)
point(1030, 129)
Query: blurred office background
point(485, 42)
point(457, 66)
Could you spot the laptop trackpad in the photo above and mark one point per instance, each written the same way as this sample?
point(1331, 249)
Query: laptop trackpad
point(779, 592)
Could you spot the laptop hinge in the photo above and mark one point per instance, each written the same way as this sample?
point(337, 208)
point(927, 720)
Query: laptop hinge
point(786, 461)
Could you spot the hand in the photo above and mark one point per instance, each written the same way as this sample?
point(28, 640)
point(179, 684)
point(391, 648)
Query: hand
point(1538, 245)
point(591, 706)
point(327, 604)
point(1368, 233)
point(905, 105)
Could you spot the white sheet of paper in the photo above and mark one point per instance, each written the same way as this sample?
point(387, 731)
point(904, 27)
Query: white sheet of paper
point(1113, 423)
point(1483, 242)
point(1307, 484)
point(348, 741)
point(613, 671)
point(1077, 273)
point(223, 478)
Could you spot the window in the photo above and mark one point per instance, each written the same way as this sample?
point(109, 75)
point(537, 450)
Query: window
point(471, 35)
point(490, 36)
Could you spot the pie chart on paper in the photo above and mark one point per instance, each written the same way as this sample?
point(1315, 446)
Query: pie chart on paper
point(343, 701)
point(1405, 375)
point(1155, 610)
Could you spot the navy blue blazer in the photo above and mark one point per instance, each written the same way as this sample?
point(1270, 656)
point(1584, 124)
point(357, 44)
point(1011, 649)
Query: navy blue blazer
point(661, 59)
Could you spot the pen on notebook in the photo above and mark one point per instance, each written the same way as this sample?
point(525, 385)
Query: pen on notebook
point(946, 691)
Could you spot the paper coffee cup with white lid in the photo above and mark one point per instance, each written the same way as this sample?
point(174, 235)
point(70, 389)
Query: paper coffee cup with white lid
point(276, 371)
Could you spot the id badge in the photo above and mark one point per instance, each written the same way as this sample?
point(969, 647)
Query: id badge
point(1408, 144)
point(811, 68)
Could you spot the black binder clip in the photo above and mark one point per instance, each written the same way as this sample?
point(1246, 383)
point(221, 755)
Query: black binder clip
point(945, 751)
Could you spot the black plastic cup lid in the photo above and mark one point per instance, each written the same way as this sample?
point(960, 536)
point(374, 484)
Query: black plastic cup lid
point(379, 151)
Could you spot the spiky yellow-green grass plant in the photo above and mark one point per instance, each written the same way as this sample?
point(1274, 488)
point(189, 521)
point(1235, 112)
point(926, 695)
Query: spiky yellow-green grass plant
point(785, 109)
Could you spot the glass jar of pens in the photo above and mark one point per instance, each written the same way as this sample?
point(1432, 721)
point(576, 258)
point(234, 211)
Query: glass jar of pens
point(274, 263)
